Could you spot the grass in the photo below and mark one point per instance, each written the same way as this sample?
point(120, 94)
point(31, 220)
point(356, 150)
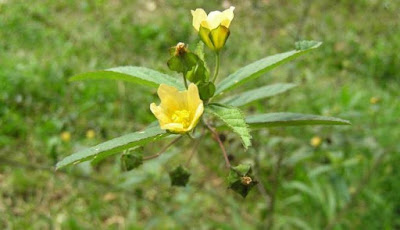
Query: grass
point(43, 43)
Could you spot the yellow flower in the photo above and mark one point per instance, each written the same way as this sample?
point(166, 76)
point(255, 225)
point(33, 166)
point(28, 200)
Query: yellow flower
point(214, 27)
point(178, 112)
point(213, 19)
point(65, 136)
point(316, 141)
point(90, 134)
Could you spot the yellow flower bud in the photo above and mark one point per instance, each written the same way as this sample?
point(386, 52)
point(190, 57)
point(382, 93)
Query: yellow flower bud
point(90, 134)
point(213, 28)
point(316, 141)
point(65, 136)
point(178, 112)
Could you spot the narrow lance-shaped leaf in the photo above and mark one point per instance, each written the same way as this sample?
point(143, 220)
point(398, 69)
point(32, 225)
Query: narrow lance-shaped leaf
point(291, 119)
point(233, 118)
point(114, 146)
point(257, 94)
point(133, 74)
point(260, 67)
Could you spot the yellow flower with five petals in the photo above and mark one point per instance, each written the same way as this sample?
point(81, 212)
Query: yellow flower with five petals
point(213, 28)
point(179, 111)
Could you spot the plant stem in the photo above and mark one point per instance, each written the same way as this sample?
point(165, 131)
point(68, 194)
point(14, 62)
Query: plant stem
point(221, 145)
point(184, 81)
point(195, 146)
point(163, 149)
point(190, 136)
point(216, 66)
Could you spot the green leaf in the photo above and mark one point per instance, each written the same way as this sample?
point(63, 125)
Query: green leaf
point(291, 119)
point(304, 45)
point(258, 68)
point(114, 146)
point(133, 74)
point(256, 94)
point(233, 118)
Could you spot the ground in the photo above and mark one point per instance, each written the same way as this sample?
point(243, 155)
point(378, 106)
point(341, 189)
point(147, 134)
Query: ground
point(349, 181)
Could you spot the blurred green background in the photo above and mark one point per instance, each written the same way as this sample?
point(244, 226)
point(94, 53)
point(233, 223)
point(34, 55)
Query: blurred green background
point(350, 181)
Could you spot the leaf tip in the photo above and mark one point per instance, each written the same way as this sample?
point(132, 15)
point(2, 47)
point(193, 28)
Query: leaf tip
point(306, 45)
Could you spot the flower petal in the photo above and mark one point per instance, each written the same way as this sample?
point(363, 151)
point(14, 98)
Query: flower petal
point(214, 19)
point(195, 105)
point(169, 98)
point(228, 16)
point(159, 113)
point(199, 15)
point(196, 116)
point(174, 127)
point(193, 98)
point(178, 112)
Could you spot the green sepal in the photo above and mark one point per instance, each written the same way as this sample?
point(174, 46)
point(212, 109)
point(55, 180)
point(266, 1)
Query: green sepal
point(241, 179)
point(175, 64)
point(206, 90)
point(204, 34)
point(179, 176)
point(132, 159)
point(198, 73)
point(219, 36)
point(172, 50)
point(215, 39)
point(182, 63)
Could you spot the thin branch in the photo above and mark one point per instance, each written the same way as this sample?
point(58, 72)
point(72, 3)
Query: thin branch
point(195, 146)
point(221, 145)
point(163, 149)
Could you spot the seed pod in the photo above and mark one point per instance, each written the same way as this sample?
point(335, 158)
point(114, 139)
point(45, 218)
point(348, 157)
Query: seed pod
point(131, 160)
point(241, 180)
point(179, 176)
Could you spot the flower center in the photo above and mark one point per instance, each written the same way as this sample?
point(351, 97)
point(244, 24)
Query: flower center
point(182, 117)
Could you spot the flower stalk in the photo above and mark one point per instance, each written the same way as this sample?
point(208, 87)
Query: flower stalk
point(163, 149)
point(221, 145)
point(217, 62)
